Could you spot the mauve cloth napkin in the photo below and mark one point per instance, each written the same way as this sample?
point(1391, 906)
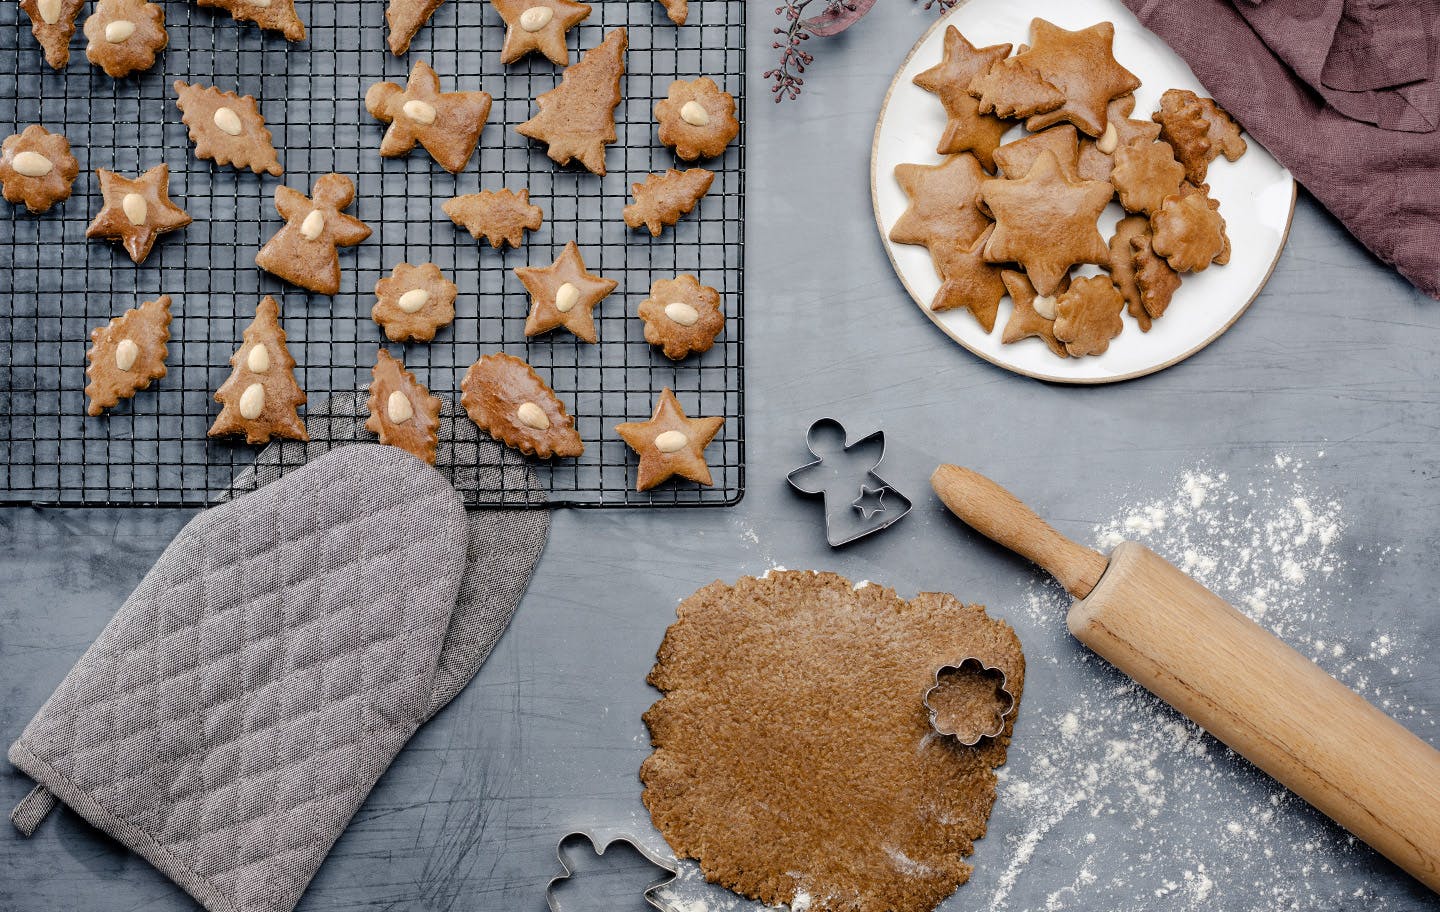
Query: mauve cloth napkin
point(1345, 93)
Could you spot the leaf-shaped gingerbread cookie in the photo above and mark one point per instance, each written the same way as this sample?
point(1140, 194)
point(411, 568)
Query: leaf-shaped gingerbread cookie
point(507, 400)
point(403, 413)
point(227, 128)
point(128, 354)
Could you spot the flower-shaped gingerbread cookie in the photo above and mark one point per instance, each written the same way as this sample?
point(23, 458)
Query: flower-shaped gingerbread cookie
point(697, 119)
point(1189, 232)
point(507, 400)
point(305, 252)
point(1097, 155)
point(403, 413)
point(564, 294)
point(670, 443)
point(36, 168)
point(539, 25)
point(138, 211)
point(414, 302)
point(125, 36)
point(447, 124)
point(1087, 315)
point(227, 128)
point(682, 316)
point(1144, 174)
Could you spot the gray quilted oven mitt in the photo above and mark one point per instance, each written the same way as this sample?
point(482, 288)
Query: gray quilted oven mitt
point(233, 716)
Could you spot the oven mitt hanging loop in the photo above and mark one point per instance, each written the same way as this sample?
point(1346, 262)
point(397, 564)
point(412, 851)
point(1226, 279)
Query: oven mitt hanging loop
point(237, 710)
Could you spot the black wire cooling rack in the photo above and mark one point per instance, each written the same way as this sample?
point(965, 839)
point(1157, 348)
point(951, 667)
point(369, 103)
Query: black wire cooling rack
point(55, 286)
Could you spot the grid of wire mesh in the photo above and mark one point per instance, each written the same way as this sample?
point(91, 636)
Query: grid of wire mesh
point(55, 286)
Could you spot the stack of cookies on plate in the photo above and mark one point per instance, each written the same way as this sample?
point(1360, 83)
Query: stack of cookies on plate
point(1014, 218)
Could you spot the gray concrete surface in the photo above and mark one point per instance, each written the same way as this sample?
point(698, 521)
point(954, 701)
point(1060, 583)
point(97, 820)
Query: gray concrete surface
point(1338, 355)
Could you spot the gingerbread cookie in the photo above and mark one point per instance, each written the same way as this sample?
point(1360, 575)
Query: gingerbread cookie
point(1015, 158)
point(1082, 66)
point(670, 443)
point(966, 129)
point(1122, 265)
point(1034, 314)
point(500, 216)
point(1087, 316)
point(577, 117)
point(793, 756)
point(507, 400)
point(967, 280)
point(125, 36)
point(227, 128)
point(260, 396)
point(136, 212)
point(447, 124)
point(53, 23)
point(697, 119)
point(538, 25)
point(677, 10)
point(1144, 174)
point(270, 15)
point(682, 316)
point(127, 355)
point(1189, 233)
point(1013, 88)
point(663, 198)
point(942, 206)
point(36, 168)
point(405, 18)
point(1156, 281)
point(564, 294)
point(413, 302)
point(306, 251)
point(1046, 222)
point(1097, 155)
point(402, 412)
point(1199, 130)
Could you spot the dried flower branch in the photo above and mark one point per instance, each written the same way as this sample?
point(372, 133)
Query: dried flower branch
point(838, 15)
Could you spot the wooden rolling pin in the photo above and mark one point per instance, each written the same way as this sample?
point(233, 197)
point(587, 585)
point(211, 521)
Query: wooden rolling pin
point(1235, 679)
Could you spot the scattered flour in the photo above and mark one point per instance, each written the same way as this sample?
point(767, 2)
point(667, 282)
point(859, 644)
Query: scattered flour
point(1116, 782)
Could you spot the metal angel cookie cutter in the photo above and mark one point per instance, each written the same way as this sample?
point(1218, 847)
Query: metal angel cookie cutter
point(857, 501)
point(555, 903)
point(969, 701)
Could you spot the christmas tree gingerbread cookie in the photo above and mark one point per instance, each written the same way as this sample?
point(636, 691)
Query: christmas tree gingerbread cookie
point(403, 413)
point(260, 397)
point(577, 117)
point(271, 15)
point(53, 22)
point(227, 128)
point(127, 355)
point(663, 198)
point(306, 251)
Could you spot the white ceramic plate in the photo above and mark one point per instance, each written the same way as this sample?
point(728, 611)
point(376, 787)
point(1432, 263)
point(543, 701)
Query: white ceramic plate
point(1257, 199)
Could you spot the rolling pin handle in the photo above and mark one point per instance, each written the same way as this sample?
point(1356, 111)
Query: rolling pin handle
point(1000, 516)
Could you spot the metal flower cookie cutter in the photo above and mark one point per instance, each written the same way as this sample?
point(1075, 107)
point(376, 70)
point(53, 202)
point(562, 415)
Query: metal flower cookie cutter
point(857, 501)
point(969, 701)
point(552, 898)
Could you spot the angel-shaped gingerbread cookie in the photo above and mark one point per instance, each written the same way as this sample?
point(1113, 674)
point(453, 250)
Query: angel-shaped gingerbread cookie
point(305, 252)
point(447, 124)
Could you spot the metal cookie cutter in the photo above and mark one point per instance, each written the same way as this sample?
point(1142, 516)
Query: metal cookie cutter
point(599, 849)
point(969, 730)
point(857, 501)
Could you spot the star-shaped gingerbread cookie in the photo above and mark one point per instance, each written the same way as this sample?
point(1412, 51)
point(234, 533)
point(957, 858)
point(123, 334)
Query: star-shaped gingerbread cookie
point(577, 117)
point(136, 212)
point(305, 251)
point(1046, 222)
point(696, 118)
point(564, 294)
point(943, 206)
point(447, 124)
point(967, 280)
point(270, 15)
point(966, 129)
point(1015, 158)
point(37, 168)
point(538, 25)
point(1027, 319)
point(1097, 156)
point(227, 128)
point(1082, 66)
point(670, 443)
point(125, 36)
point(405, 18)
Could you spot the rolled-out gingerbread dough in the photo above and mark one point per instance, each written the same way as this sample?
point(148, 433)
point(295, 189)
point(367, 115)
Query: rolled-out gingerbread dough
point(794, 757)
